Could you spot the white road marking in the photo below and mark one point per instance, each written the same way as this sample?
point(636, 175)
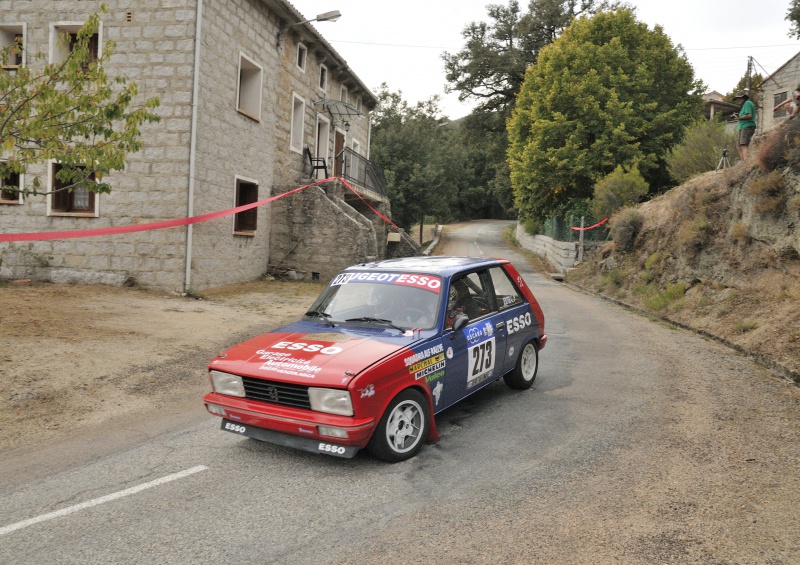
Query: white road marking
point(103, 499)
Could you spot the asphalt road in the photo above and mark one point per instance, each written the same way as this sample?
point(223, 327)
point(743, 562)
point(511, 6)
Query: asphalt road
point(636, 444)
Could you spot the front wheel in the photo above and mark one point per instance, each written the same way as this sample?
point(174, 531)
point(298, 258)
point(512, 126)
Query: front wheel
point(524, 373)
point(402, 428)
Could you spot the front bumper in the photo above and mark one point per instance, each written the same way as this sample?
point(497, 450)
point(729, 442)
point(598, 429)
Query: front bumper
point(293, 427)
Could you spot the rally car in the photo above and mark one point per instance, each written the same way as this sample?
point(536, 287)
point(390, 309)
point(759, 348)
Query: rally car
point(386, 346)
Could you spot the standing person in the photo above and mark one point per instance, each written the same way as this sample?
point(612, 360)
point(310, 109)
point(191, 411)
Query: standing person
point(747, 123)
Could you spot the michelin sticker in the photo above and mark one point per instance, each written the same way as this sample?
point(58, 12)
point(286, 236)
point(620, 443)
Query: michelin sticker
point(426, 363)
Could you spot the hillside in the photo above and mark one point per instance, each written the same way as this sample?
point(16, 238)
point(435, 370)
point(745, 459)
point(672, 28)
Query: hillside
point(719, 254)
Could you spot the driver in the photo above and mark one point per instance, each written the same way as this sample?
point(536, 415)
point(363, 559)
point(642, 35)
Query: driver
point(454, 308)
point(380, 300)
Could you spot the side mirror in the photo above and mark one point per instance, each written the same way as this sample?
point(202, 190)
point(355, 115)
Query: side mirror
point(459, 323)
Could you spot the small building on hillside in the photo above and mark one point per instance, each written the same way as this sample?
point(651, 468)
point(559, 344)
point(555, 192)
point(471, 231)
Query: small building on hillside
point(254, 103)
point(775, 89)
point(716, 108)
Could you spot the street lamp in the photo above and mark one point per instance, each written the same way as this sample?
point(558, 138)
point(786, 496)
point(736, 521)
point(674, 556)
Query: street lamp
point(331, 16)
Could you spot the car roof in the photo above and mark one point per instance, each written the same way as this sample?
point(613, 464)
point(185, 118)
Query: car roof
point(439, 265)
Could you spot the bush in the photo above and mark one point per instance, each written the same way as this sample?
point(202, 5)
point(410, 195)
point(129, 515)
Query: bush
point(700, 150)
point(624, 229)
point(769, 192)
point(617, 189)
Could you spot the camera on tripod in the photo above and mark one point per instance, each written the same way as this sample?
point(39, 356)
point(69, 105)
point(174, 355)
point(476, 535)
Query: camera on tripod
point(724, 162)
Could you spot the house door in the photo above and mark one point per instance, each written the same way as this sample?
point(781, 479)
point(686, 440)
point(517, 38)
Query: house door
point(338, 151)
point(323, 143)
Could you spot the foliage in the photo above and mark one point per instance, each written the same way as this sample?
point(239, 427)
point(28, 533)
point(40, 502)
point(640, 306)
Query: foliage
point(608, 92)
point(625, 226)
point(622, 187)
point(70, 112)
point(700, 150)
point(661, 300)
point(793, 17)
point(491, 66)
point(768, 192)
point(741, 86)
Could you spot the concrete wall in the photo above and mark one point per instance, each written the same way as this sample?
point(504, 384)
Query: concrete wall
point(561, 255)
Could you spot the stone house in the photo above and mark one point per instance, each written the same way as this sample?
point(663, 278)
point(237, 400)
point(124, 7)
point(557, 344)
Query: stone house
point(776, 88)
point(254, 103)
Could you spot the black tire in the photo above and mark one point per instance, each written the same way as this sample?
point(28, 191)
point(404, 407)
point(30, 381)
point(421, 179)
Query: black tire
point(402, 429)
point(524, 372)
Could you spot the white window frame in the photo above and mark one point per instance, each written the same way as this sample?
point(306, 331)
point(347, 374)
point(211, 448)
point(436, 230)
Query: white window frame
point(301, 62)
point(237, 179)
point(356, 147)
point(249, 88)
point(50, 185)
point(7, 33)
point(322, 83)
point(297, 125)
point(343, 94)
point(56, 28)
point(19, 199)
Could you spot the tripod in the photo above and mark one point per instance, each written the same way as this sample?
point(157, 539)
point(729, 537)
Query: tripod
point(724, 162)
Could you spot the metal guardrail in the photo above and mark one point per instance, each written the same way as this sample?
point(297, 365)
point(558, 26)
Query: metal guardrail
point(361, 171)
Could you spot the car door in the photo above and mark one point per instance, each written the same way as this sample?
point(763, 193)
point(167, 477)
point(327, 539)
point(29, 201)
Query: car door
point(475, 354)
point(515, 312)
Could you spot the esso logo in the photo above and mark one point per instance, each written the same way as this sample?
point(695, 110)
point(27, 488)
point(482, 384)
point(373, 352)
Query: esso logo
point(235, 427)
point(518, 323)
point(328, 448)
point(310, 347)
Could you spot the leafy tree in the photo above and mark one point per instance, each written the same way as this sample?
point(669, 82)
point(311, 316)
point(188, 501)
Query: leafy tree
point(491, 66)
point(70, 112)
point(793, 17)
point(700, 150)
point(741, 86)
point(608, 92)
point(621, 187)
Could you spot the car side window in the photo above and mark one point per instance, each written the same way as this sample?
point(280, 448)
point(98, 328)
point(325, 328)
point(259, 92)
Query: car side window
point(506, 292)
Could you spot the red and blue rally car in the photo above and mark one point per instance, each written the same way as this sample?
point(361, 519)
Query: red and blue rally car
point(386, 346)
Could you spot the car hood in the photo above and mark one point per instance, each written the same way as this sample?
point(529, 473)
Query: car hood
point(312, 354)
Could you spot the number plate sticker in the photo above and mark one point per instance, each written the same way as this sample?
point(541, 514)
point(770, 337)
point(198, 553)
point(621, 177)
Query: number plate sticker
point(233, 427)
point(481, 362)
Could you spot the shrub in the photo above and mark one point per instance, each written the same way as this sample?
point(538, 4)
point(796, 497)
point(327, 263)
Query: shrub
point(740, 232)
point(624, 229)
point(617, 189)
point(695, 233)
point(769, 192)
point(532, 227)
point(670, 295)
point(700, 150)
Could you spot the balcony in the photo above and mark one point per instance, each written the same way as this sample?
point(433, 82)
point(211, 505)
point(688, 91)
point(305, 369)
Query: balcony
point(365, 177)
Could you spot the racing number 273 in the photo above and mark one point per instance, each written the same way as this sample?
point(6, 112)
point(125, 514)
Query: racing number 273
point(482, 357)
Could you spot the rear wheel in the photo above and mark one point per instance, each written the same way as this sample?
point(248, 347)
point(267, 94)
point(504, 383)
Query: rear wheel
point(402, 428)
point(524, 373)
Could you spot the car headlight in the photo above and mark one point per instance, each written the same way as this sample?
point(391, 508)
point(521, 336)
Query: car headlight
point(330, 400)
point(225, 383)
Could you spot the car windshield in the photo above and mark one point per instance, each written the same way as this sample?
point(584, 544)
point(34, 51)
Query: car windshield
point(403, 301)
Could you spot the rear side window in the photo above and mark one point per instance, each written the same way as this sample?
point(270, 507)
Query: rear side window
point(506, 292)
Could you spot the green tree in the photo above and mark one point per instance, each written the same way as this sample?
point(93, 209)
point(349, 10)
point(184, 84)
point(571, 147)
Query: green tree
point(701, 149)
point(621, 187)
point(793, 17)
point(70, 112)
point(608, 92)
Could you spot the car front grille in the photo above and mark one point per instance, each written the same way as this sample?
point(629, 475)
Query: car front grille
point(276, 393)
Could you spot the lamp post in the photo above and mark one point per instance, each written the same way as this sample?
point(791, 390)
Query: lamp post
point(331, 16)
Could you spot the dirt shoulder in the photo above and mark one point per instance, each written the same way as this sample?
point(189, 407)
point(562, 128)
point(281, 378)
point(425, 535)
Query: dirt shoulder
point(75, 359)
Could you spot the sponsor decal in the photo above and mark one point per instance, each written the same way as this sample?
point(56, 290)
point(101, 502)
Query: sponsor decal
point(429, 370)
point(511, 351)
point(330, 337)
point(518, 323)
point(329, 448)
point(437, 392)
point(480, 362)
point(433, 376)
point(424, 354)
point(449, 353)
point(488, 330)
point(285, 364)
point(367, 392)
point(508, 300)
point(428, 282)
point(426, 362)
point(305, 430)
point(302, 346)
point(474, 335)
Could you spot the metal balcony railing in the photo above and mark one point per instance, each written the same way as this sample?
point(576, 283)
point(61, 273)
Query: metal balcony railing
point(362, 173)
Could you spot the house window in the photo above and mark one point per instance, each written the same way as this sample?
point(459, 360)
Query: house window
point(246, 193)
point(9, 189)
point(323, 77)
point(343, 94)
point(356, 147)
point(778, 98)
point(59, 51)
point(79, 201)
point(298, 123)
point(358, 103)
point(302, 55)
point(250, 81)
point(12, 36)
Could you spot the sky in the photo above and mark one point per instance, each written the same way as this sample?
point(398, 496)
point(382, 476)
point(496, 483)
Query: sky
point(401, 43)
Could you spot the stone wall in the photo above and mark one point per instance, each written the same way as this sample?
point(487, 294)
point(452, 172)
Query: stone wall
point(786, 79)
point(562, 255)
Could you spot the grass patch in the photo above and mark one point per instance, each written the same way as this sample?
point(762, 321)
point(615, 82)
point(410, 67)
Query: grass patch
point(669, 297)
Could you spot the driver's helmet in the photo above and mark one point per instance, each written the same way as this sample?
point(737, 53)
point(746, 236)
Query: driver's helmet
point(452, 297)
point(379, 295)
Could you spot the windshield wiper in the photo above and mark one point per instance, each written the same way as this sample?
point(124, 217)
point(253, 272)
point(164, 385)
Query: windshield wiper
point(376, 320)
